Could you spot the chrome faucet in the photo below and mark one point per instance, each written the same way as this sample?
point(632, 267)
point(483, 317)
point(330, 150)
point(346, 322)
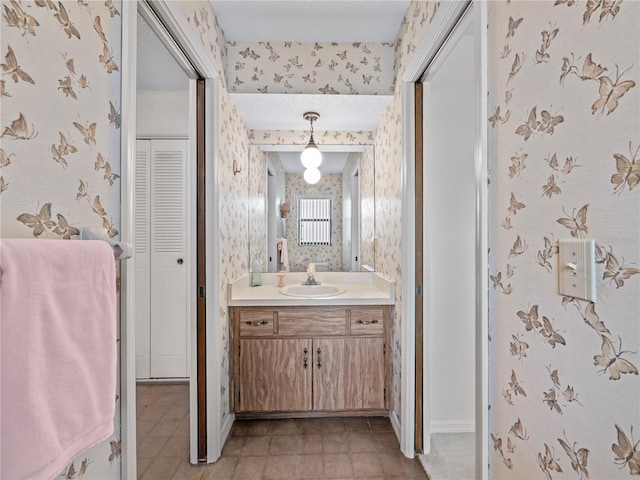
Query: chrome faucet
point(311, 271)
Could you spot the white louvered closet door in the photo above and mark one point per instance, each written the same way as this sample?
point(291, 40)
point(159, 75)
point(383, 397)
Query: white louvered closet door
point(143, 257)
point(168, 259)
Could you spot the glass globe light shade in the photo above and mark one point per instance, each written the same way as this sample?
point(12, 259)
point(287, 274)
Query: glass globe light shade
point(311, 156)
point(312, 175)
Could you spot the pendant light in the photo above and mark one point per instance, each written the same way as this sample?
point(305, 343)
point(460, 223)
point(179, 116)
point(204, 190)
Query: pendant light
point(312, 175)
point(311, 156)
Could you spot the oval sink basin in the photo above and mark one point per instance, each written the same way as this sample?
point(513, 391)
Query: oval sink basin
point(312, 291)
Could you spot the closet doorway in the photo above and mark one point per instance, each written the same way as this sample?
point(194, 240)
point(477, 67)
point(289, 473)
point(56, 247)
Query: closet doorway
point(169, 241)
point(449, 112)
point(448, 135)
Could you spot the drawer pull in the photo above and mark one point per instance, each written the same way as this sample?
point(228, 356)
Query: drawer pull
point(319, 359)
point(305, 351)
point(366, 322)
point(257, 324)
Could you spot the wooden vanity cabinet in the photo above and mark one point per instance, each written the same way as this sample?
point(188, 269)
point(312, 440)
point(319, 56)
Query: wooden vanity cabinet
point(276, 375)
point(309, 361)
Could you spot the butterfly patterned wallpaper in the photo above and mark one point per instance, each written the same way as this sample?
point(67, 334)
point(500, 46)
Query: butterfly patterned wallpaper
point(564, 162)
point(205, 25)
point(310, 68)
point(301, 137)
point(367, 174)
point(301, 256)
point(60, 140)
point(258, 203)
point(351, 162)
point(234, 216)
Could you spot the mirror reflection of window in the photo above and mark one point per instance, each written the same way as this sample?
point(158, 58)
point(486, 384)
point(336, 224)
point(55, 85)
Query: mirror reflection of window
point(314, 221)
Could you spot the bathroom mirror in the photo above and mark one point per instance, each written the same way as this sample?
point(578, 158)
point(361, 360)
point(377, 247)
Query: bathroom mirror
point(276, 184)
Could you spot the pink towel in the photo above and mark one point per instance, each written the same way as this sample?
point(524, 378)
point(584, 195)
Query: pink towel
point(58, 353)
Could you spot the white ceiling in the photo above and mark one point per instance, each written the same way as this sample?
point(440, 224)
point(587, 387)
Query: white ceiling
point(310, 21)
point(284, 111)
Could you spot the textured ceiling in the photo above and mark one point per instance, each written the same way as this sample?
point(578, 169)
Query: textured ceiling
point(157, 70)
point(284, 112)
point(310, 21)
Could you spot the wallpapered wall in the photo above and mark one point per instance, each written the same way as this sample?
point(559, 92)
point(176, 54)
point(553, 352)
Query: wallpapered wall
point(60, 140)
point(279, 181)
point(347, 195)
point(301, 256)
point(234, 219)
point(388, 152)
point(259, 207)
point(313, 68)
point(367, 175)
point(301, 137)
point(257, 166)
point(564, 138)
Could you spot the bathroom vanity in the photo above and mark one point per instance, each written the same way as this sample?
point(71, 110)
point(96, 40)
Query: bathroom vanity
point(311, 356)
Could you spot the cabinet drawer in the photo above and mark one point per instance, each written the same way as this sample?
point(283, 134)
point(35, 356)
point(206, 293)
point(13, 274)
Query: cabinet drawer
point(308, 322)
point(367, 321)
point(256, 322)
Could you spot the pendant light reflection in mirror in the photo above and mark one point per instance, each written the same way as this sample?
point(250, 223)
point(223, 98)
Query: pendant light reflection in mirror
point(311, 156)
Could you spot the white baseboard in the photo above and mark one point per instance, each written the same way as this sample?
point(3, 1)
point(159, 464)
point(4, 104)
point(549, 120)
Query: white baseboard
point(226, 428)
point(454, 426)
point(395, 423)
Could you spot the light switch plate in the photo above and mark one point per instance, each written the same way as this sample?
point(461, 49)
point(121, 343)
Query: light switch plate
point(577, 269)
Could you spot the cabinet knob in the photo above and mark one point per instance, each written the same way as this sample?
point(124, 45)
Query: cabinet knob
point(180, 261)
point(319, 352)
point(305, 351)
point(256, 324)
point(367, 322)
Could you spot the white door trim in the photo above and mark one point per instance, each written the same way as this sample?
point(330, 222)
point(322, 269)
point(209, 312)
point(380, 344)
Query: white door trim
point(127, 234)
point(442, 24)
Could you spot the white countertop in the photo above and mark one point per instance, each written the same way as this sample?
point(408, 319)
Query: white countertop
point(362, 288)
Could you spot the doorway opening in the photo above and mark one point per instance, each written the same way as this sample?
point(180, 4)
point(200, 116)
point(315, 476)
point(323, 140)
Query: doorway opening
point(170, 249)
point(446, 247)
point(448, 101)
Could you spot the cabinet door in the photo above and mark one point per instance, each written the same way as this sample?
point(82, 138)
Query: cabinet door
point(328, 374)
point(364, 373)
point(275, 375)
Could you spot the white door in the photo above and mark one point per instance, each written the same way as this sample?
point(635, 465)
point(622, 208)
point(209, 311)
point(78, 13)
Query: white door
point(161, 268)
point(168, 254)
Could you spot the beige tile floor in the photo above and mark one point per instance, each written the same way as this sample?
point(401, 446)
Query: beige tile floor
point(336, 448)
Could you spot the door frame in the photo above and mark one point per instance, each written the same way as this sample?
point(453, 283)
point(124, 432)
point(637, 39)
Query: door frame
point(443, 23)
point(173, 23)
